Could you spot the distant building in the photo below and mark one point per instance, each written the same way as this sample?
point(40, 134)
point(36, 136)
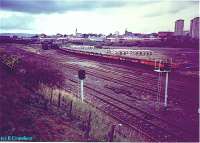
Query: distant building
point(14, 36)
point(76, 31)
point(127, 33)
point(186, 33)
point(112, 38)
point(179, 26)
point(194, 28)
point(96, 38)
point(116, 33)
point(165, 34)
point(42, 35)
point(59, 35)
point(78, 35)
point(4, 38)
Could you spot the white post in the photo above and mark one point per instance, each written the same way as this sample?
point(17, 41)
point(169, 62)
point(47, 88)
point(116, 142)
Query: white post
point(166, 88)
point(81, 84)
point(159, 64)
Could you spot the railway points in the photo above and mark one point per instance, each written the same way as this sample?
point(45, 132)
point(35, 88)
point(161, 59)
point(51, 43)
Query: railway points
point(130, 91)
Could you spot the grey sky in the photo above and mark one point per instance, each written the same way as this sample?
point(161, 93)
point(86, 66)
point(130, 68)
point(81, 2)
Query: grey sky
point(94, 16)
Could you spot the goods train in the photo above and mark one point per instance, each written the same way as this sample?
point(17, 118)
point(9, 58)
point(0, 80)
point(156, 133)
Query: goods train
point(116, 56)
point(112, 55)
point(49, 45)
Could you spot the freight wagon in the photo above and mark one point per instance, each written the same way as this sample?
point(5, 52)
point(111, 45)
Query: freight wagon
point(118, 55)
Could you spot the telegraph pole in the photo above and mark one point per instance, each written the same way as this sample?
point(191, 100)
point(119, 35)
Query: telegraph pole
point(81, 75)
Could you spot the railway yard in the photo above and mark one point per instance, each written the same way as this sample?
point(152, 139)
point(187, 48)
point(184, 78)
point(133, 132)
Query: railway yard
point(129, 93)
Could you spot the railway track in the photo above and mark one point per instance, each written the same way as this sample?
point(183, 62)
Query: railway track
point(175, 83)
point(151, 76)
point(135, 121)
point(140, 87)
point(130, 106)
point(141, 78)
point(133, 117)
point(130, 95)
point(173, 90)
point(120, 102)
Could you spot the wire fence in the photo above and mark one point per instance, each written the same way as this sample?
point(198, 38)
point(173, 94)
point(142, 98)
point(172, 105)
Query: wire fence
point(90, 119)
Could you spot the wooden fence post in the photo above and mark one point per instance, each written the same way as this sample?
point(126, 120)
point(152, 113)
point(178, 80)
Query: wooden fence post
point(70, 108)
point(111, 134)
point(51, 96)
point(88, 126)
point(59, 95)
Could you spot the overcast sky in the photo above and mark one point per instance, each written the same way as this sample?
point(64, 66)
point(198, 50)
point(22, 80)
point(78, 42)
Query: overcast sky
point(94, 16)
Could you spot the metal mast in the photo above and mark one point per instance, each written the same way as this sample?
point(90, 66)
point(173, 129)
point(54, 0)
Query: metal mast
point(162, 67)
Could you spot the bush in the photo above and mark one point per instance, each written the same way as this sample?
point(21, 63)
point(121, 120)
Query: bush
point(36, 71)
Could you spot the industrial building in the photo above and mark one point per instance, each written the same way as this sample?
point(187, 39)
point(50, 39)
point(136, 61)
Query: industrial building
point(194, 28)
point(179, 27)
